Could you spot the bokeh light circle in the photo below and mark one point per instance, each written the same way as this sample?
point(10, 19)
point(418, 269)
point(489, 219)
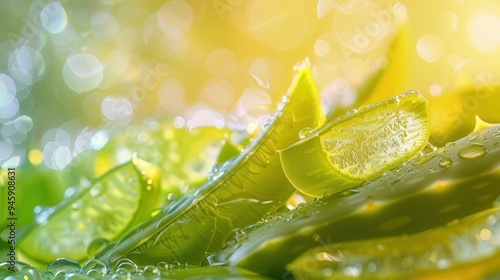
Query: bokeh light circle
point(104, 26)
point(483, 32)
point(27, 66)
point(23, 124)
point(430, 47)
point(53, 17)
point(7, 90)
point(171, 95)
point(82, 72)
point(221, 63)
point(9, 105)
point(117, 109)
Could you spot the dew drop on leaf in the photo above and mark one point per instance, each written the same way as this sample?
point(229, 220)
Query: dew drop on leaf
point(305, 131)
point(472, 151)
point(351, 112)
point(445, 162)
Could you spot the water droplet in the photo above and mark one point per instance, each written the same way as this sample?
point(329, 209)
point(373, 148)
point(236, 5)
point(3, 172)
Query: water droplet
point(351, 112)
point(441, 150)
point(412, 93)
point(95, 266)
point(19, 266)
point(445, 162)
point(394, 99)
point(450, 144)
point(301, 65)
point(162, 266)
point(429, 148)
point(127, 266)
point(48, 275)
point(349, 192)
point(241, 237)
point(496, 134)
point(150, 271)
point(64, 265)
point(432, 170)
point(218, 170)
point(303, 133)
point(69, 192)
point(472, 151)
point(475, 135)
point(220, 258)
point(77, 205)
point(496, 144)
point(422, 159)
point(42, 213)
point(175, 265)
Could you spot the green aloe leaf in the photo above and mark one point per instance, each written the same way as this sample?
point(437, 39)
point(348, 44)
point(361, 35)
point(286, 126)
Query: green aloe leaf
point(247, 188)
point(360, 146)
point(209, 272)
point(105, 209)
point(432, 190)
point(441, 253)
point(185, 155)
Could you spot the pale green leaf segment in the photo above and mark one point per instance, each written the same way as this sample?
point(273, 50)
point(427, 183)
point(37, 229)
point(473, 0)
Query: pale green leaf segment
point(246, 189)
point(458, 244)
point(114, 203)
point(452, 182)
point(213, 273)
point(359, 146)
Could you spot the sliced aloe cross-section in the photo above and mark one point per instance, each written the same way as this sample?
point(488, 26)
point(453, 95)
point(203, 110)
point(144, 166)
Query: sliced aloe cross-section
point(450, 183)
point(359, 146)
point(245, 189)
point(106, 209)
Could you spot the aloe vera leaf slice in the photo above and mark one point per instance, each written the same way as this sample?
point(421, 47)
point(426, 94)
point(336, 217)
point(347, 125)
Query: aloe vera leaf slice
point(113, 204)
point(359, 146)
point(419, 196)
point(248, 188)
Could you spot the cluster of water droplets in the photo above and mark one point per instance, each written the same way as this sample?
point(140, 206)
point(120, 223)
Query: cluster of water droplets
point(473, 148)
point(68, 269)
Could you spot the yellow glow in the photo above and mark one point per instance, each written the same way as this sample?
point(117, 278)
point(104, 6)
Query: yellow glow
point(484, 32)
point(440, 185)
point(485, 234)
point(35, 156)
point(251, 128)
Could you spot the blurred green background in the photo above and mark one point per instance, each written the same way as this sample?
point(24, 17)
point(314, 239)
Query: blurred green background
point(74, 74)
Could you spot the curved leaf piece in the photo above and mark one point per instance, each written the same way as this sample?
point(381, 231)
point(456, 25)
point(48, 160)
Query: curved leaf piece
point(442, 253)
point(248, 188)
point(432, 190)
point(359, 146)
point(116, 202)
